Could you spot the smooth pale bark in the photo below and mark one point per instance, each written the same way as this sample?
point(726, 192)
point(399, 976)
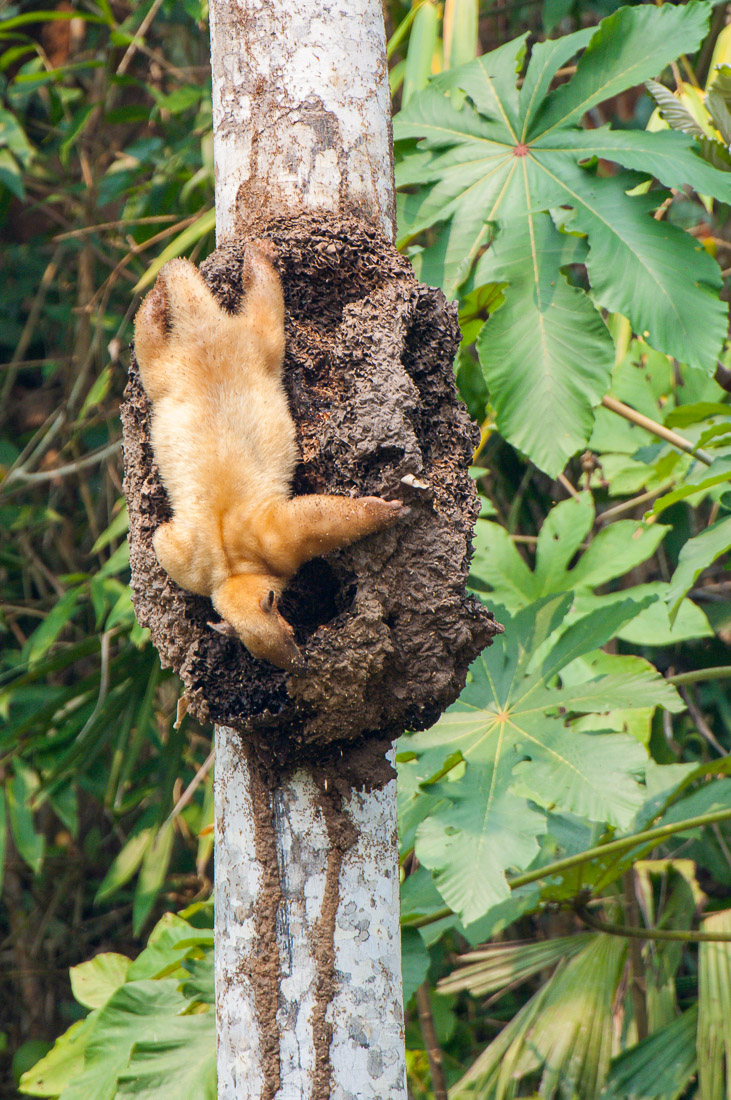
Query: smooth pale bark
point(301, 105)
point(302, 115)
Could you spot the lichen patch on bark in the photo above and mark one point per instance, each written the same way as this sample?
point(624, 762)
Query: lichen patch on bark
point(386, 627)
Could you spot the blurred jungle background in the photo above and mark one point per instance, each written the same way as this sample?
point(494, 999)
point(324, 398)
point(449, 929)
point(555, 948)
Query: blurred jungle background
point(601, 546)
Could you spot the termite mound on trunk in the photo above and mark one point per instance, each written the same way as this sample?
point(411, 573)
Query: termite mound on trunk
point(385, 625)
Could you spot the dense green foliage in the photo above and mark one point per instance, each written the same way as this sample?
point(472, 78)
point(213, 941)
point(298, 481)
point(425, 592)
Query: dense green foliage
point(581, 779)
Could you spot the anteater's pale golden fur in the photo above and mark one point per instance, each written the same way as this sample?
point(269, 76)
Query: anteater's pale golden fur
point(224, 442)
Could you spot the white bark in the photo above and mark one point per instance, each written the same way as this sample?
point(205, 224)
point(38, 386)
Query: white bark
point(302, 117)
point(366, 1053)
point(301, 105)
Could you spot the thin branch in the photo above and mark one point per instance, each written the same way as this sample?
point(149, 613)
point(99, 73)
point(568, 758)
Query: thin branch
point(135, 250)
point(613, 847)
point(630, 932)
point(38, 444)
point(137, 40)
point(657, 429)
point(663, 208)
point(62, 471)
point(30, 326)
point(433, 1051)
point(617, 847)
point(103, 687)
point(628, 505)
point(699, 675)
point(72, 233)
point(51, 360)
point(189, 791)
point(564, 481)
point(700, 723)
point(638, 982)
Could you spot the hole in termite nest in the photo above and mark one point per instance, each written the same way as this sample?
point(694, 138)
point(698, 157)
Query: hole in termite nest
point(315, 597)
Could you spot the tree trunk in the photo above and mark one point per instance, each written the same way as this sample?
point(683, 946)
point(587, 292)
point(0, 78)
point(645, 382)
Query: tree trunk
point(302, 121)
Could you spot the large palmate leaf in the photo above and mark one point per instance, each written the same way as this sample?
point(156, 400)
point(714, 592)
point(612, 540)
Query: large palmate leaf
point(661, 1066)
point(507, 748)
point(564, 1031)
point(614, 550)
point(546, 347)
point(493, 163)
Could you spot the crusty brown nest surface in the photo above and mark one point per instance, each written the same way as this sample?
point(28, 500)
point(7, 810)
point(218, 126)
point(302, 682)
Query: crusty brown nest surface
point(385, 626)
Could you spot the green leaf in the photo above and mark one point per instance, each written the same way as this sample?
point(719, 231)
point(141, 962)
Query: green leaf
point(420, 898)
point(565, 1032)
point(64, 1063)
point(47, 16)
point(697, 554)
point(46, 634)
point(460, 33)
point(642, 687)
point(501, 966)
point(20, 789)
point(672, 110)
point(93, 982)
point(200, 985)
point(684, 415)
point(10, 174)
point(651, 626)
point(714, 1009)
point(629, 47)
point(118, 527)
point(182, 99)
point(673, 158)
point(126, 862)
point(75, 129)
point(414, 962)
point(152, 875)
point(476, 833)
point(12, 137)
point(714, 794)
point(181, 1062)
point(545, 60)
point(180, 244)
point(65, 804)
point(136, 1010)
point(492, 164)
point(661, 278)
point(592, 631)
point(118, 562)
point(490, 82)
point(422, 44)
point(614, 550)
point(718, 101)
point(546, 352)
point(97, 392)
point(511, 734)
point(170, 941)
point(703, 479)
point(660, 1067)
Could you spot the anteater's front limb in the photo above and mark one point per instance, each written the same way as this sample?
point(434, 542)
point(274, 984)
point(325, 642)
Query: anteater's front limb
point(291, 532)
